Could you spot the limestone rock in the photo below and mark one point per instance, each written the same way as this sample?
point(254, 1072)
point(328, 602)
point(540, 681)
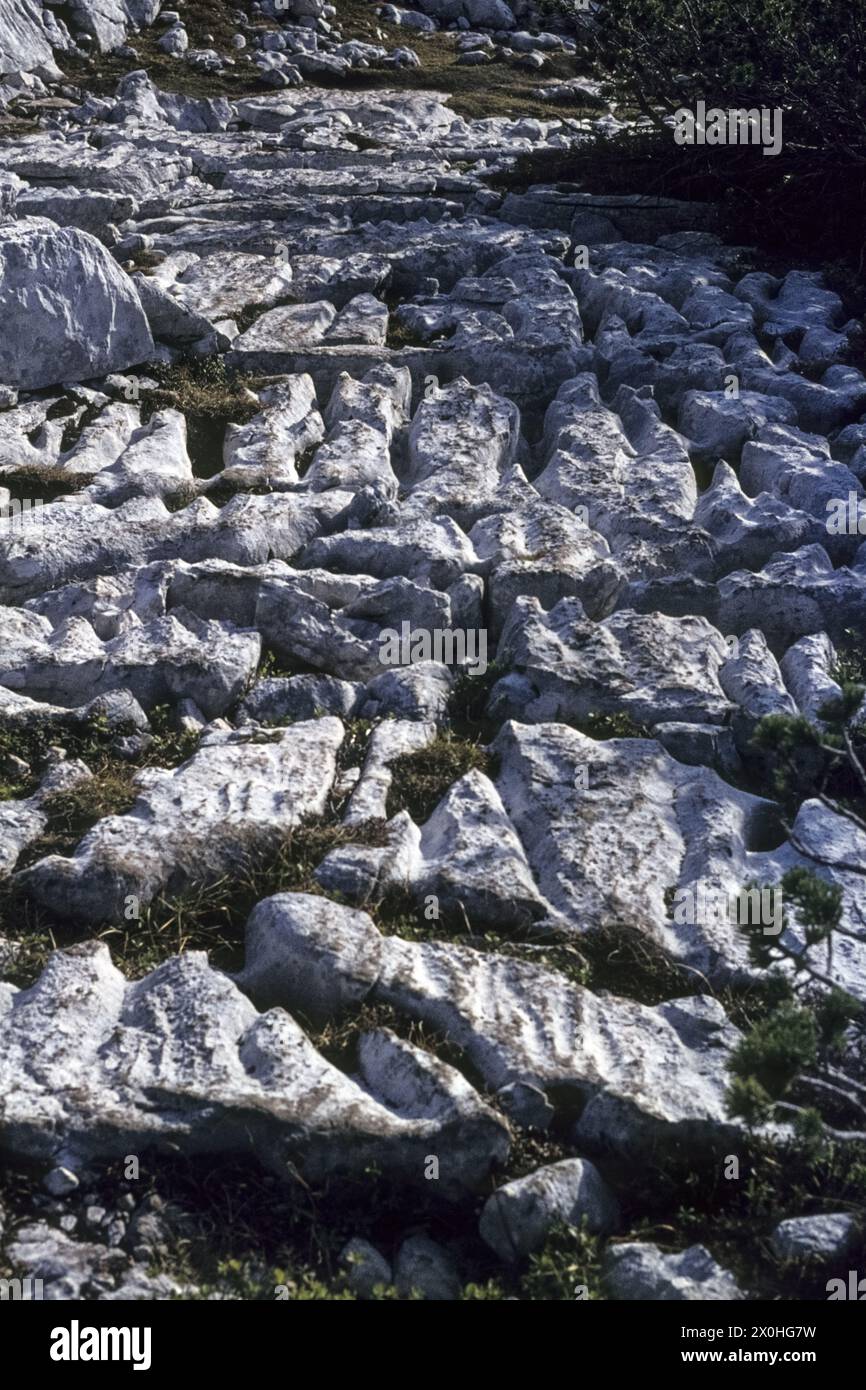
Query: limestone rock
point(423, 1268)
point(182, 1058)
point(638, 1270)
point(823, 1238)
point(69, 312)
point(517, 1218)
point(234, 795)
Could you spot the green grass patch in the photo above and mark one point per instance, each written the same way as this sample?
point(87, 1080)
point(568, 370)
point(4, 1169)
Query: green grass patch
point(71, 813)
point(568, 1268)
point(94, 741)
point(203, 916)
point(617, 725)
point(627, 961)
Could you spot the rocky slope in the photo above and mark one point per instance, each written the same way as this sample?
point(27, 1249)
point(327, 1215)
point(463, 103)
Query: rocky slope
point(281, 375)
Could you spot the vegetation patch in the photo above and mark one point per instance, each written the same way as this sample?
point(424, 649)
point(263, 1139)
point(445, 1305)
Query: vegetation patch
point(734, 1217)
point(145, 262)
point(71, 813)
point(804, 57)
point(202, 916)
point(211, 397)
point(568, 1268)
point(625, 960)
point(850, 668)
point(617, 725)
point(41, 485)
point(419, 780)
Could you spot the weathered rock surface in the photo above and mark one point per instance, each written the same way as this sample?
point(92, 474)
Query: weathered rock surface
point(366, 1269)
point(640, 1271)
point(821, 1238)
point(647, 666)
point(518, 1217)
point(68, 311)
point(284, 375)
point(526, 1030)
point(236, 795)
point(93, 1066)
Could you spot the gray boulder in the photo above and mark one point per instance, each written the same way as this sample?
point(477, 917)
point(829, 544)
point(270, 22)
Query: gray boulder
point(518, 1217)
point(423, 1268)
point(640, 1271)
point(366, 1269)
point(823, 1238)
point(68, 310)
point(639, 1075)
point(309, 954)
point(281, 699)
point(106, 21)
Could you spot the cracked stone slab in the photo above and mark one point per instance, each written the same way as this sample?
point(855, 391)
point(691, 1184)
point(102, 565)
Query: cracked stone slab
point(471, 858)
point(178, 656)
point(719, 426)
point(797, 468)
point(463, 438)
point(807, 669)
point(390, 740)
point(618, 830)
point(545, 551)
point(267, 447)
point(648, 666)
point(748, 530)
point(608, 850)
point(24, 42)
point(794, 596)
point(222, 285)
point(355, 455)
point(279, 333)
point(154, 463)
point(634, 1074)
point(78, 540)
point(233, 797)
point(94, 1067)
